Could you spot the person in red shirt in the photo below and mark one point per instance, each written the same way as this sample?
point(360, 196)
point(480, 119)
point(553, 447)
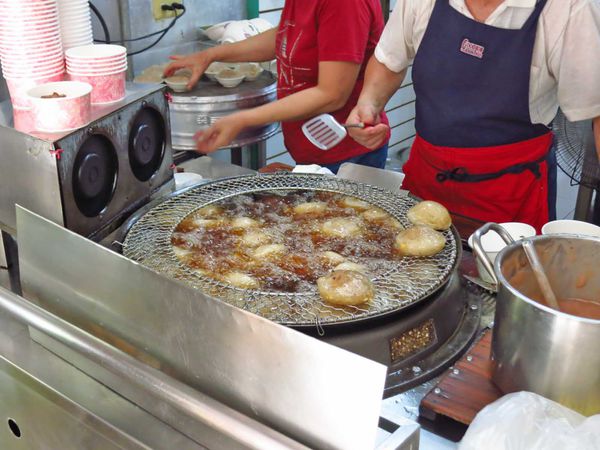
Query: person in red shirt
point(321, 47)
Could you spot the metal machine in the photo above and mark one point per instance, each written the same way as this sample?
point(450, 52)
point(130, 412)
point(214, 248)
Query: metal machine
point(91, 178)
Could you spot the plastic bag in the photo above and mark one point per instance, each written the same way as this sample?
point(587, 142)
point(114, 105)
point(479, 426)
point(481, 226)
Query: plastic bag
point(527, 421)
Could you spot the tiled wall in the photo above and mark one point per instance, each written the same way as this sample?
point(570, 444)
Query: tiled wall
point(133, 18)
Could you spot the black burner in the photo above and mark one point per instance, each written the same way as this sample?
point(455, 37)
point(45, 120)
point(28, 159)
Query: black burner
point(146, 143)
point(94, 174)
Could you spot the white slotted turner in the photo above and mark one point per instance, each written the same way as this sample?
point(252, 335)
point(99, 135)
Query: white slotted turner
point(324, 132)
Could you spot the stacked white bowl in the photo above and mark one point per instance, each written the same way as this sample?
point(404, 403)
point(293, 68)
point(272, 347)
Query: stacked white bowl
point(75, 23)
point(30, 46)
point(103, 66)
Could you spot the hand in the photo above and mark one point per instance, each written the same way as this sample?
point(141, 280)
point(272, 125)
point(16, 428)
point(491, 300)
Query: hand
point(197, 63)
point(374, 134)
point(219, 134)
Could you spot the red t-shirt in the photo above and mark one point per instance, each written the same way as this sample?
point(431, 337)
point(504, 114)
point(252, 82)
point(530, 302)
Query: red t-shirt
point(311, 31)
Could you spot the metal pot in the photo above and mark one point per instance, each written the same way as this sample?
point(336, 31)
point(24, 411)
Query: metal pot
point(534, 347)
point(208, 102)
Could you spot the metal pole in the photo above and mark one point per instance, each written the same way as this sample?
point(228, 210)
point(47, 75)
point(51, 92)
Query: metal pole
point(229, 423)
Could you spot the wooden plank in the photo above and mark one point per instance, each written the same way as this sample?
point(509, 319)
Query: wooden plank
point(465, 389)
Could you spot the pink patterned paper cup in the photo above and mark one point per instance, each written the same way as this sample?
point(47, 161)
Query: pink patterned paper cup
point(101, 52)
point(18, 87)
point(105, 88)
point(62, 113)
point(100, 70)
point(23, 120)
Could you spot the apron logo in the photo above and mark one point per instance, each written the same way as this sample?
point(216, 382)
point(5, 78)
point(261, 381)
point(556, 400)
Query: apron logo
point(469, 48)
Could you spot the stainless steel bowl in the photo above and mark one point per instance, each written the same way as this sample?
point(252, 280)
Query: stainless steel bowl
point(534, 347)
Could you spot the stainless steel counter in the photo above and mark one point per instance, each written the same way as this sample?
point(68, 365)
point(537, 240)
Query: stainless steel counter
point(38, 381)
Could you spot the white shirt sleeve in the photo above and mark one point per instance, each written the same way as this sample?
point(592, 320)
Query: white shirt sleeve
point(396, 48)
point(575, 63)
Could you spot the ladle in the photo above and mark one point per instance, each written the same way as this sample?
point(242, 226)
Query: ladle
point(540, 275)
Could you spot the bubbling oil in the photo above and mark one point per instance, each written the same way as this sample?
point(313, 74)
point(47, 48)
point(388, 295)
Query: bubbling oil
point(215, 247)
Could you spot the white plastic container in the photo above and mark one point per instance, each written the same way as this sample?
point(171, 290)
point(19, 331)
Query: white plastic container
point(571, 227)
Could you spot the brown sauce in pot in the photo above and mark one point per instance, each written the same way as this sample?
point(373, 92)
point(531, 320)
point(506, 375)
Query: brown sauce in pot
point(589, 309)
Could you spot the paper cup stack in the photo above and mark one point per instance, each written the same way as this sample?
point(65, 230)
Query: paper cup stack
point(75, 23)
point(30, 46)
point(103, 66)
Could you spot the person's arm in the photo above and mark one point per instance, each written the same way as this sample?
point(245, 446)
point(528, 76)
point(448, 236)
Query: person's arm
point(597, 135)
point(256, 48)
point(335, 84)
point(379, 86)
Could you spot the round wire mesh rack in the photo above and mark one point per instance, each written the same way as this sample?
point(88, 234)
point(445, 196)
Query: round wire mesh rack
point(410, 281)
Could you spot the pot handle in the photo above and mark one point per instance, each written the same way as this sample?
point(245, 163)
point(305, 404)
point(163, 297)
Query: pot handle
point(480, 252)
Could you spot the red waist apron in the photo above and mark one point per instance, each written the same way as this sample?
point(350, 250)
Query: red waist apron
point(506, 183)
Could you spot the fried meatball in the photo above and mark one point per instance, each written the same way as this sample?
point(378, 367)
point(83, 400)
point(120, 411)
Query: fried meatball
point(209, 211)
point(268, 251)
point(207, 223)
point(355, 203)
point(310, 208)
point(345, 287)
point(244, 223)
point(181, 252)
point(333, 258)
point(255, 238)
point(352, 267)
point(431, 214)
point(340, 227)
point(241, 280)
point(419, 241)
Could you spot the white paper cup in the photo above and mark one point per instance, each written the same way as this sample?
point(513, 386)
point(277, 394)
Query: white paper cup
point(492, 243)
point(61, 114)
point(571, 227)
point(96, 52)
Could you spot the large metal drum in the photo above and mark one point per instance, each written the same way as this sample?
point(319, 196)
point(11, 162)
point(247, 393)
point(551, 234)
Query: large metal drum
point(209, 101)
point(537, 348)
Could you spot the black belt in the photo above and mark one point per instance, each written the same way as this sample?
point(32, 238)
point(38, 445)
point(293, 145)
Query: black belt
point(461, 175)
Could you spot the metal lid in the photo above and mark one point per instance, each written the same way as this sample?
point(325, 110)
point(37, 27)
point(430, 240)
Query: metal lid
point(213, 92)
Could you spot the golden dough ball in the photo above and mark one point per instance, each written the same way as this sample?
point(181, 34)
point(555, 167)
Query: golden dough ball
point(255, 238)
point(269, 251)
point(207, 223)
point(312, 208)
point(347, 265)
point(431, 214)
point(340, 227)
point(355, 203)
point(419, 241)
point(375, 215)
point(209, 211)
point(241, 280)
point(181, 252)
point(243, 223)
point(345, 287)
point(333, 258)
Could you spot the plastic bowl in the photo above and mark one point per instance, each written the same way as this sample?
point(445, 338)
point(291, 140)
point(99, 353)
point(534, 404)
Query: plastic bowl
point(212, 71)
point(251, 71)
point(230, 78)
point(178, 83)
point(571, 227)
